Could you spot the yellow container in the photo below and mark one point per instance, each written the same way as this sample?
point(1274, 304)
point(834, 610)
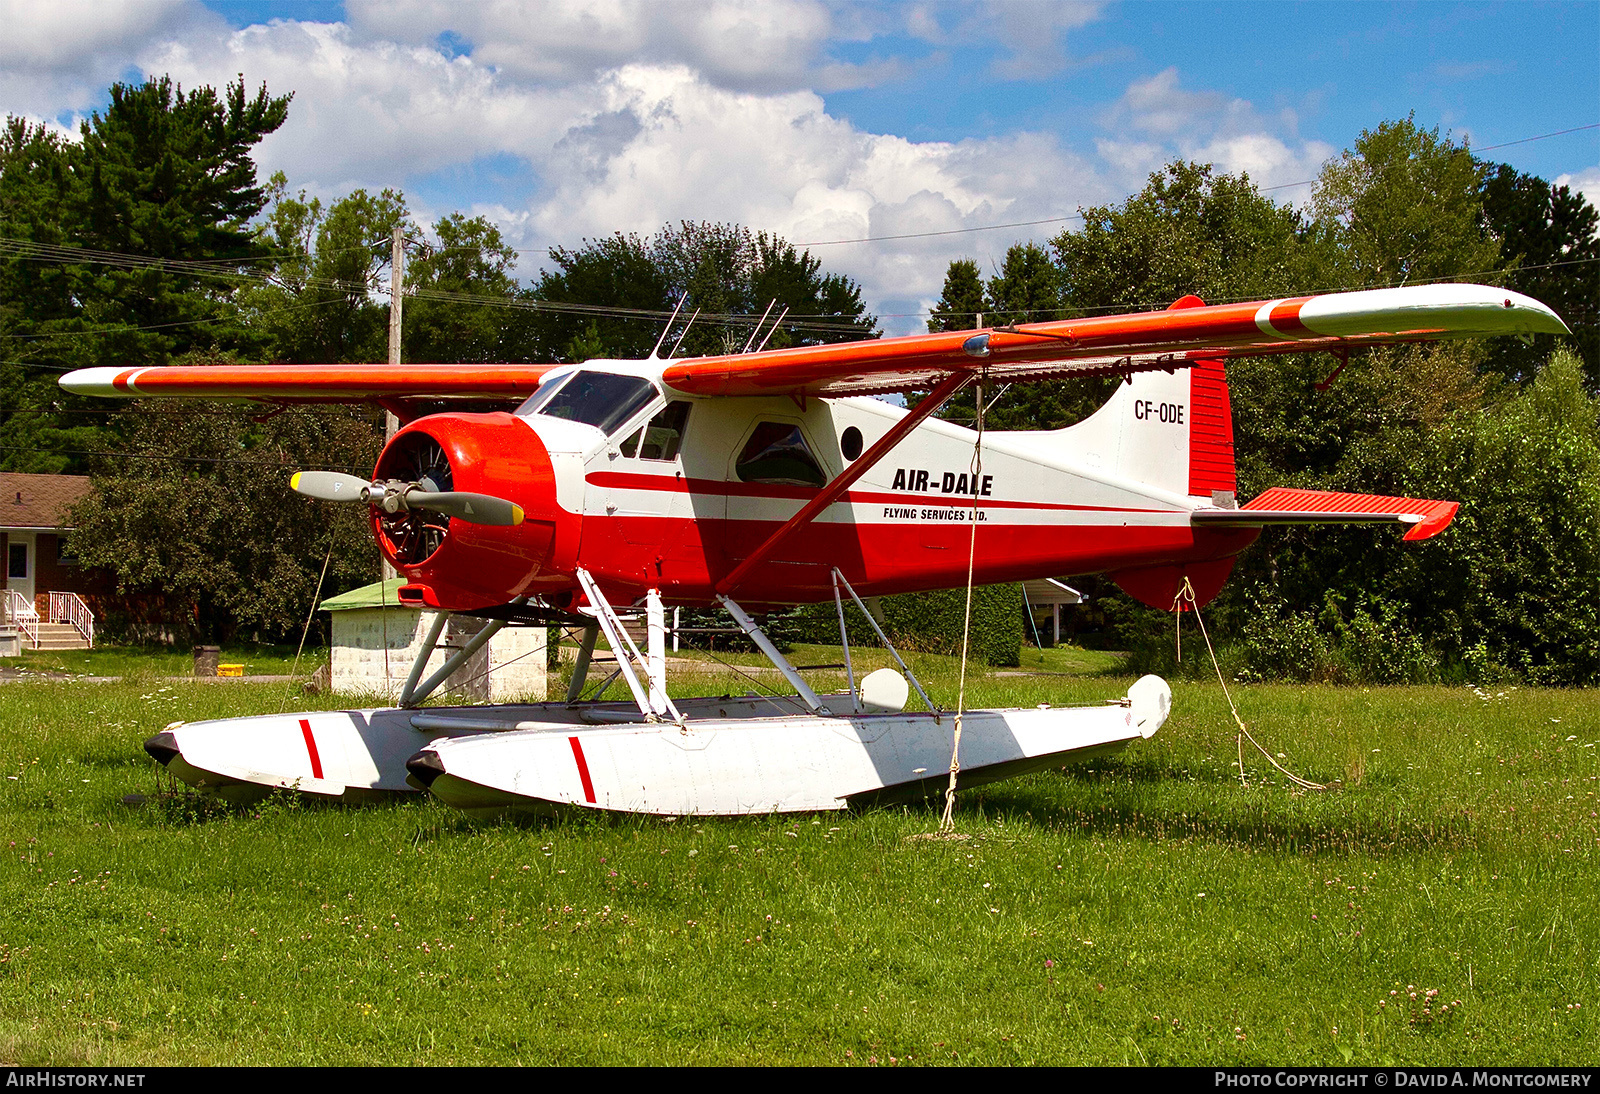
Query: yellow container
point(230, 670)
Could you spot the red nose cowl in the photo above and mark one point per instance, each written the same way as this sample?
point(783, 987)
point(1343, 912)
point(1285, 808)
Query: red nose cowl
point(450, 563)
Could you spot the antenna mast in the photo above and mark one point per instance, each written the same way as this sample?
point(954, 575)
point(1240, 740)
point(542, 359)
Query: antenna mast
point(682, 335)
point(752, 339)
point(668, 327)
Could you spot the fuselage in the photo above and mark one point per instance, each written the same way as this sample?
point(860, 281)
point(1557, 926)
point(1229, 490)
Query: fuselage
point(648, 488)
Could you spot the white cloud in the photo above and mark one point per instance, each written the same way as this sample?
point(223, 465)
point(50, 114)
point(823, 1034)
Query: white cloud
point(1162, 119)
point(1585, 182)
point(60, 57)
point(1032, 35)
point(1036, 35)
point(370, 113)
point(640, 146)
point(780, 162)
point(779, 45)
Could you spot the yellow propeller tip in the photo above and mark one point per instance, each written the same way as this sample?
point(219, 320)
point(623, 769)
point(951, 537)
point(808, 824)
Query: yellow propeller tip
point(294, 481)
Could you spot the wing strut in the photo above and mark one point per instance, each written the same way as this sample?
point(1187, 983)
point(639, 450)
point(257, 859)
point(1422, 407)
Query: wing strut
point(831, 493)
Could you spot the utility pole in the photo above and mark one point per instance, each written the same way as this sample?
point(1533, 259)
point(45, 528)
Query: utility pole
point(397, 273)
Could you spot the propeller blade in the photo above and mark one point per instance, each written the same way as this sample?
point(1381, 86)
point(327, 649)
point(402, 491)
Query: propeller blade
point(472, 508)
point(328, 485)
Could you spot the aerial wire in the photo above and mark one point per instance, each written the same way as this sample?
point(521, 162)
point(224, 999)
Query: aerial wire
point(947, 823)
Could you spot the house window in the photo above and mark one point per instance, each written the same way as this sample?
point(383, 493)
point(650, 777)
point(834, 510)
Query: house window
point(65, 555)
point(17, 560)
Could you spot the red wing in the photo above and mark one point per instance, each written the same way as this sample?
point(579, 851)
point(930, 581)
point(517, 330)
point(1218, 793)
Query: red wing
point(1117, 344)
point(1102, 345)
point(319, 383)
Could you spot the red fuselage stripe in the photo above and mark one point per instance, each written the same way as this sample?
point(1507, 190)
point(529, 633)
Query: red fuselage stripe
point(671, 484)
point(311, 748)
point(583, 769)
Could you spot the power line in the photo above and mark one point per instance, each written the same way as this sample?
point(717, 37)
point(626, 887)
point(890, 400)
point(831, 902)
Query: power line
point(1485, 148)
point(29, 250)
point(948, 232)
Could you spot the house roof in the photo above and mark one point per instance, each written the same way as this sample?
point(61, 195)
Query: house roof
point(39, 501)
point(367, 597)
point(1049, 590)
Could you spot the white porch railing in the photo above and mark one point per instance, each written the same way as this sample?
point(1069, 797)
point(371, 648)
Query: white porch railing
point(21, 614)
point(70, 608)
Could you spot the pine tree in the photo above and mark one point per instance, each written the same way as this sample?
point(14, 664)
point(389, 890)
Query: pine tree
point(963, 301)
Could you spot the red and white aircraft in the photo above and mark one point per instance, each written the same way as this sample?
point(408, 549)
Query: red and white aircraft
point(757, 479)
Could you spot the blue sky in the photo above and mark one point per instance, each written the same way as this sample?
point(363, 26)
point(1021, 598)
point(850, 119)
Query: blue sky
point(822, 121)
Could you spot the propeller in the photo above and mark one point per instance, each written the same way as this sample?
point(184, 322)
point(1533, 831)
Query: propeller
point(395, 497)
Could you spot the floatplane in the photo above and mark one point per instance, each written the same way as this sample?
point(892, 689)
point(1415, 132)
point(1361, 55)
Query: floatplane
point(752, 480)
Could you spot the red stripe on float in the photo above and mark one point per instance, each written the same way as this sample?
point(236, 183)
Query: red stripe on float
point(121, 381)
point(583, 769)
point(311, 748)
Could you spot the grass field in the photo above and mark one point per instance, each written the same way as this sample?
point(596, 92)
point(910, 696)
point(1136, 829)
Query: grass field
point(1146, 909)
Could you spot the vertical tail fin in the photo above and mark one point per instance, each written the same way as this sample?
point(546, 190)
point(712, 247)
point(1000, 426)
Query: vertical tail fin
point(1171, 430)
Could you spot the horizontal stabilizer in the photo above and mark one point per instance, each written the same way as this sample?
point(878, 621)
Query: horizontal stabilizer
point(1290, 505)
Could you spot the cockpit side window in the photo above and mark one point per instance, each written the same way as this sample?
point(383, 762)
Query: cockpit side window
point(777, 453)
point(601, 399)
point(661, 439)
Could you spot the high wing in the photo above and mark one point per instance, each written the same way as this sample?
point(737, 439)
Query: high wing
point(312, 383)
point(1096, 346)
point(1120, 344)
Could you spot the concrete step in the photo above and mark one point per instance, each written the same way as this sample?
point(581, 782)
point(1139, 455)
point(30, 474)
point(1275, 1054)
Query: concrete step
point(60, 636)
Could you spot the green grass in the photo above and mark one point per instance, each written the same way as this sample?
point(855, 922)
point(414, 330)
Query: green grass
point(161, 662)
point(1142, 909)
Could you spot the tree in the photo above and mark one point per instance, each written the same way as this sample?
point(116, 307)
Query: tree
point(168, 175)
point(964, 299)
point(471, 260)
point(41, 328)
point(1549, 239)
point(726, 271)
point(1515, 577)
point(1189, 231)
point(1027, 288)
point(1406, 206)
point(165, 180)
point(196, 509)
point(610, 275)
point(329, 264)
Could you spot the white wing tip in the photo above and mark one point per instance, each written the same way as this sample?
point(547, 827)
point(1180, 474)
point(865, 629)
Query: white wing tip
point(97, 381)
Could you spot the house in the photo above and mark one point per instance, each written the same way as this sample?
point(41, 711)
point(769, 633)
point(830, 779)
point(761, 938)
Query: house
point(1048, 595)
point(44, 587)
point(376, 639)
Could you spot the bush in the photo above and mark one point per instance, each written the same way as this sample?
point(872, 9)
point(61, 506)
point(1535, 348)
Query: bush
point(928, 622)
point(1381, 649)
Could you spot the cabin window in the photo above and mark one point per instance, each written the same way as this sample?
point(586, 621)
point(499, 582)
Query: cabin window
point(777, 453)
point(601, 399)
point(850, 443)
point(661, 439)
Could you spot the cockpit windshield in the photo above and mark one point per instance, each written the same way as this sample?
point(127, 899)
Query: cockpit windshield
point(601, 399)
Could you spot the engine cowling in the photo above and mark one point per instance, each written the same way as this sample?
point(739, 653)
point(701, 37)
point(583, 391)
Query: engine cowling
point(456, 565)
